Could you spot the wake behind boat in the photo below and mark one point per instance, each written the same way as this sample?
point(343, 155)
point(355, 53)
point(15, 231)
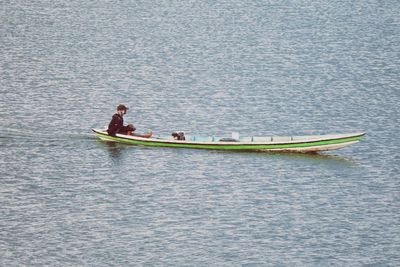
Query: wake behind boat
point(302, 144)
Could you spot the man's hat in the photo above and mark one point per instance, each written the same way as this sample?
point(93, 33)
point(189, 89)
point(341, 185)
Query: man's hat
point(122, 107)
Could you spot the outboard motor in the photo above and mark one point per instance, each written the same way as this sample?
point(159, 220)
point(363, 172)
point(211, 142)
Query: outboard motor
point(179, 135)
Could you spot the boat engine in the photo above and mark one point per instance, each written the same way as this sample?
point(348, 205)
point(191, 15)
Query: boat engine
point(179, 135)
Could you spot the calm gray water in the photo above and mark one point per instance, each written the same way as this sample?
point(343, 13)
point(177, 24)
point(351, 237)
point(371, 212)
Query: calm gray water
point(205, 67)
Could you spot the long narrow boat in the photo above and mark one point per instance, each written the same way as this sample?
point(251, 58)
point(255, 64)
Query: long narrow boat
point(303, 144)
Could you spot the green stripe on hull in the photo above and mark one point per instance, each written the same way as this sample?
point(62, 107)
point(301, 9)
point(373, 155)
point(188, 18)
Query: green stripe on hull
point(232, 146)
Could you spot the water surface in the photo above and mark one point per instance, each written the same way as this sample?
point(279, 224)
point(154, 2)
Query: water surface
point(209, 67)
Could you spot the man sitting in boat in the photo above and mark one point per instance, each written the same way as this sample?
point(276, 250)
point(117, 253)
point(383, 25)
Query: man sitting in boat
point(117, 123)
